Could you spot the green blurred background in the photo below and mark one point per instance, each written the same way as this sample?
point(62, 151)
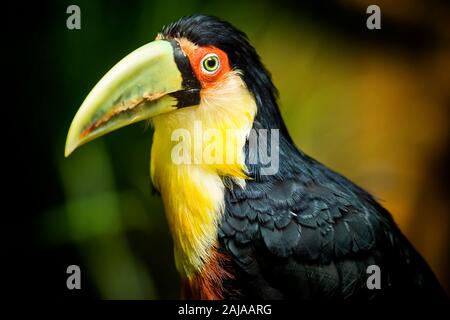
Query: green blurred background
point(373, 105)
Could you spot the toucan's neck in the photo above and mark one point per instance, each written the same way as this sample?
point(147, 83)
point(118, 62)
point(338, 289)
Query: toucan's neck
point(193, 191)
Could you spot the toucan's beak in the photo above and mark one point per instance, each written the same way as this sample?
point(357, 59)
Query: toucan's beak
point(149, 81)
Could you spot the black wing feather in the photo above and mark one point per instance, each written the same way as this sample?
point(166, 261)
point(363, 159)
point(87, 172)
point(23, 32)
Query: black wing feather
point(313, 234)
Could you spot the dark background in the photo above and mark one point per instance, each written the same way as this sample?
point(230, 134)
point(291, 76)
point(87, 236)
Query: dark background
point(373, 105)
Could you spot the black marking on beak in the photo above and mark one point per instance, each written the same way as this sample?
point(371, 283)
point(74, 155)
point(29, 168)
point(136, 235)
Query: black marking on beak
point(190, 95)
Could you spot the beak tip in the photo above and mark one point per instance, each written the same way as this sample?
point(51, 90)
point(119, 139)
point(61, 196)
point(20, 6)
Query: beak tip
point(70, 147)
point(67, 152)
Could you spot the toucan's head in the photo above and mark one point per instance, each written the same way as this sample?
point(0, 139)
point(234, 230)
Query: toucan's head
point(198, 68)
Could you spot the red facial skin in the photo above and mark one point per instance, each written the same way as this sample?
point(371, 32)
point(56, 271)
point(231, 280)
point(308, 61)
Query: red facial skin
point(196, 55)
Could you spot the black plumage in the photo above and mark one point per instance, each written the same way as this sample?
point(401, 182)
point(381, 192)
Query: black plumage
point(305, 232)
point(317, 239)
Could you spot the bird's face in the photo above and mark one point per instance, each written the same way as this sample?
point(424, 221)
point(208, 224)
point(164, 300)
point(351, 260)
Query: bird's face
point(170, 81)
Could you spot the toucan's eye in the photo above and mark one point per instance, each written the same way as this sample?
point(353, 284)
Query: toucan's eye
point(210, 63)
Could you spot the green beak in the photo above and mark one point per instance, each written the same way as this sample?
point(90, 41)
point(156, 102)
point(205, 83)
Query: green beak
point(146, 83)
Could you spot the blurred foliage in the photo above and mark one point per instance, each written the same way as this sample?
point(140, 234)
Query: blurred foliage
point(373, 107)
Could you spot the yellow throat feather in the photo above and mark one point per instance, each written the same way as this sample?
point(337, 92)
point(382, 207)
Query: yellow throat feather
point(193, 193)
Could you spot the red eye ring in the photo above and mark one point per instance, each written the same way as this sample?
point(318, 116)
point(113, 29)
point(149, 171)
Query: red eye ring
point(215, 67)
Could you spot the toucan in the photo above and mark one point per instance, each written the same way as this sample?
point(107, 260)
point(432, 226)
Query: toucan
point(300, 232)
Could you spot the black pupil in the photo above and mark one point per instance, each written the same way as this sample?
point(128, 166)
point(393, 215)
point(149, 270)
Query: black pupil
point(211, 63)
